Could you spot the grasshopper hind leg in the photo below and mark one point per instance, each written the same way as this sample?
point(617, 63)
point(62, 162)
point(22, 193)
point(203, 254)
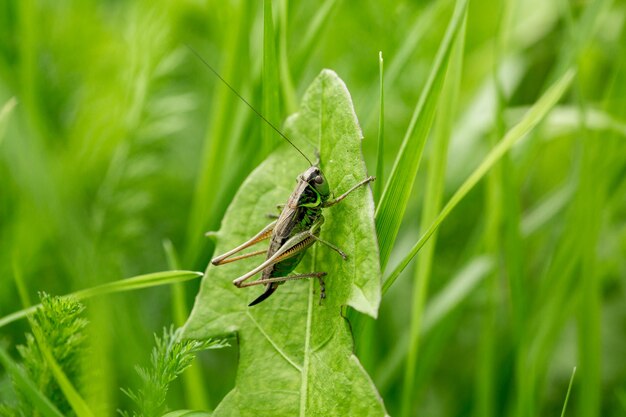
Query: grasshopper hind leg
point(265, 233)
point(272, 284)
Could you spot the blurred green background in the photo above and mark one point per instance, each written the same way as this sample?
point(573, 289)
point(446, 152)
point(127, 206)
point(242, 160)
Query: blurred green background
point(114, 138)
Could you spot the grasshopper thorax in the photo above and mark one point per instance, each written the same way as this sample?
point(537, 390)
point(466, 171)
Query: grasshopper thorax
point(316, 179)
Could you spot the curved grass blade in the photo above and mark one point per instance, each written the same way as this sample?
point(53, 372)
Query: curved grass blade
point(271, 90)
point(436, 168)
point(460, 287)
point(569, 390)
point(536, 113)
point(286, 81)
point(224, 122)
point(394, 200)
point(311, 35)
point(380, 160)
point(5, 111)
point(129, 284)
point(188, 413)
point(400, 57)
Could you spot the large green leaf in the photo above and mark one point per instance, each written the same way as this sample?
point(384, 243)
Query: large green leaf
point(296, 356)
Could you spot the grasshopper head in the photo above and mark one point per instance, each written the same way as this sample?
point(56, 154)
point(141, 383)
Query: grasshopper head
point(316, 179)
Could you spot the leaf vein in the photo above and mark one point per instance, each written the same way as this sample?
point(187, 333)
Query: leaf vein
point(274, 344)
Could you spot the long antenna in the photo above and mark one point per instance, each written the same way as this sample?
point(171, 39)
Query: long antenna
point(246, 101)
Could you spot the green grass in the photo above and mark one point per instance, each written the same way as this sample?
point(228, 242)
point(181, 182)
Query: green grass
point(500, 148)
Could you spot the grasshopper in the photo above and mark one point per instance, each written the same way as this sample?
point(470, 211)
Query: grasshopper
point(295, 230)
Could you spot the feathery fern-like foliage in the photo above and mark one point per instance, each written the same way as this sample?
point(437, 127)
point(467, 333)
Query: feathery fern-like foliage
point(170, 357)
point(60, 321)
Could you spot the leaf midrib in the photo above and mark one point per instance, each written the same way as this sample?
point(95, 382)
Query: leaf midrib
point(273, 343)
point(304, 385)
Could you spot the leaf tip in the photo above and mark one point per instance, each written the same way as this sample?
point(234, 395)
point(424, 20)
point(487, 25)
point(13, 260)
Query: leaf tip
point(366, 303)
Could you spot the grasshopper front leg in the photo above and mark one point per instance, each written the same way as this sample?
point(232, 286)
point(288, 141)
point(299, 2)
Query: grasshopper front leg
point(344, 195)
point(331, 246)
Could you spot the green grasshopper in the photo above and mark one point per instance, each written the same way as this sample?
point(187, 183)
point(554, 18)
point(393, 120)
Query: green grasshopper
point(295, 230)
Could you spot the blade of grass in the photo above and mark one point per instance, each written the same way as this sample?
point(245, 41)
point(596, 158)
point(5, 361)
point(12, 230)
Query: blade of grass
point(179, 304)
point(311, 36)
point(479, 115)
point(572, 279)
point(363, 328)
point(514, 260)
point(569, 390)
point(591, 204)
point(553, 303)
point(551, 309)
point(28, 388)
point(271, 91)
point(565, 120)
point(419, 27)
point(19, 282)
point(129, 284)
point(459, 288)
point(432, 204)
point(546, 209)
point(580, 32)
point(210, 180)
point(494, 214)
point(448, 299)
point(28, 57)
point(591, 200)
point(290, 100)
point(187, 413)
point(501, 209)
point(73, 397)
point(576, 251)
point(394, 200)
point(380, 160)
point(398, 61)
point(536, 113)
point(4, 115)
point(138, 282)
point(621, 396)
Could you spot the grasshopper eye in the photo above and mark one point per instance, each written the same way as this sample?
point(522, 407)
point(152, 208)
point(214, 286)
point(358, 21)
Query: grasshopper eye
point(318, 179)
